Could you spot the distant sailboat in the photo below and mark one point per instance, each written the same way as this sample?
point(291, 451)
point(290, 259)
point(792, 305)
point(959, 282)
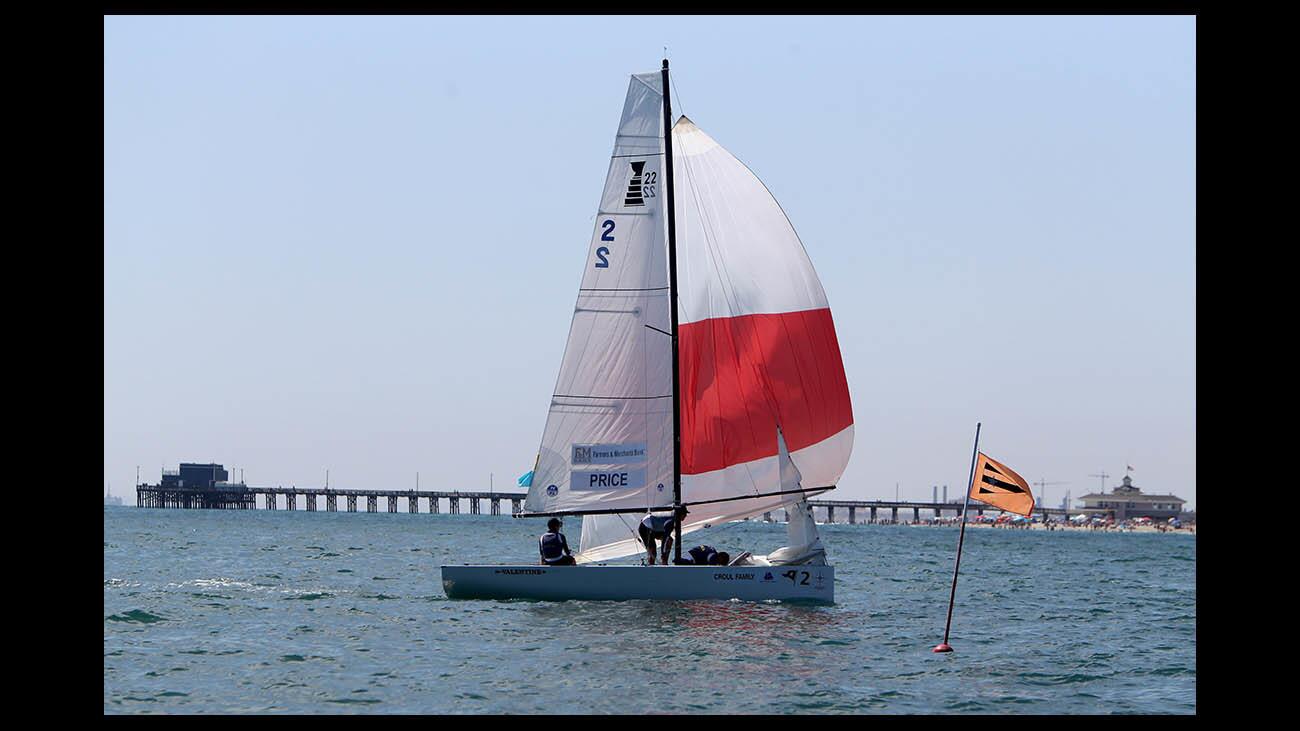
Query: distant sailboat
point(109, 497)
point(702, 373)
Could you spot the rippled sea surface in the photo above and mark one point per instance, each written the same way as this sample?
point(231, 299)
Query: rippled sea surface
point(265, 612)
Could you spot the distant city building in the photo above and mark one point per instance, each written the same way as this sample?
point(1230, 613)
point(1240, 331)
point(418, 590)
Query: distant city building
point(195, 475)
point(1127, 501)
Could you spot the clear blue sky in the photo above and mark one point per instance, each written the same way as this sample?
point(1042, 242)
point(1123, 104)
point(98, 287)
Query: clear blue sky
point(355, 243)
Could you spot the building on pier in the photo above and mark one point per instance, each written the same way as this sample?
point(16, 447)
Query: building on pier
point(192, 474)
point(195, 485)
point(1128, 501)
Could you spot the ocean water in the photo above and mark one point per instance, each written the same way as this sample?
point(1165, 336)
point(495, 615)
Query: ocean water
point(296, 612)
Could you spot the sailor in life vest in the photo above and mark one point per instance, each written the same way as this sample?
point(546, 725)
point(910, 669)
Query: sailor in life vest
point(704, 556)
point(554, 548)
point(657, 527)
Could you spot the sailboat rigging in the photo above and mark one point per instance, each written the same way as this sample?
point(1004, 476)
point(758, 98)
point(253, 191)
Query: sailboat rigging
point(711, 369)
point(672, 311)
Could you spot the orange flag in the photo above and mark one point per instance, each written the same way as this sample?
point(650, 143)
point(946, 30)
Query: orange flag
point(998, 485)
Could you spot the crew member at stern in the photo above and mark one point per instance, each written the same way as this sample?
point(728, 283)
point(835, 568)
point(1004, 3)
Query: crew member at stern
point(554, 548)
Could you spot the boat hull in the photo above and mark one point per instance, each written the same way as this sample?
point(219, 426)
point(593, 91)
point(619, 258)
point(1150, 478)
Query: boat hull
point(616, 583)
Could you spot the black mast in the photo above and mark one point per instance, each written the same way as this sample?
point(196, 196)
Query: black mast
point(672, 305)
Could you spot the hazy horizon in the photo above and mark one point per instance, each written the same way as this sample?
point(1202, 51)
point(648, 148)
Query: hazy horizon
point(354, 243)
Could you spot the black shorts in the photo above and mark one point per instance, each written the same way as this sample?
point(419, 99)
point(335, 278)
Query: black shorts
point(648, 537)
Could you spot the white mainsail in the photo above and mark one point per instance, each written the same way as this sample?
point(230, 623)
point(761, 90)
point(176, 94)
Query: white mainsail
point(608, 437)
point(759, 362)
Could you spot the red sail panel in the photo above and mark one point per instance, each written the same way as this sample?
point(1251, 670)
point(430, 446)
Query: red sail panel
point(740, 375)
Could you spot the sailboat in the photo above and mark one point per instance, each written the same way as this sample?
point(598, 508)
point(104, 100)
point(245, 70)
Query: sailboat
point(109, 497)
point(702, 377)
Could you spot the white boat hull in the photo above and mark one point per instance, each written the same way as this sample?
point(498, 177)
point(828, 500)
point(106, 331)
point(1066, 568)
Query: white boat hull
point(617, 583)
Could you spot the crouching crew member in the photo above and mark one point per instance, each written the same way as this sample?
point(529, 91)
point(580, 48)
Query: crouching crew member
point(554, 548)
point(705, 556)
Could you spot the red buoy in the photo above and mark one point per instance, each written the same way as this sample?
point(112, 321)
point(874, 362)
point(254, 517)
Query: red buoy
point(943, 647)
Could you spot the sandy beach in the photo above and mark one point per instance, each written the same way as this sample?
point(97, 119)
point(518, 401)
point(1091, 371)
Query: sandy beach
point(1186, 530)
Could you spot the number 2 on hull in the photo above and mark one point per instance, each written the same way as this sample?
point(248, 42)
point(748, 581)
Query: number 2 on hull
point(794, 577)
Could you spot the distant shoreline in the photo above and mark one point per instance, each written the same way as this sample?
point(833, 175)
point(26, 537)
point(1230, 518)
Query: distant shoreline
point(1036, 527)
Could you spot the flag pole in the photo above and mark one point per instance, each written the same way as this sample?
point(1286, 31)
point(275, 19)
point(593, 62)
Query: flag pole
point(944, 646)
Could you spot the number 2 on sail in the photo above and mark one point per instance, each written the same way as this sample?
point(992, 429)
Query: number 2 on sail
point(606, 235)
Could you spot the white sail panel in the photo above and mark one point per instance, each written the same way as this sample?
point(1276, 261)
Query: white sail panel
point(737, 253)
point(608, 437)
point(758, 348)
point(607, 537)
point(791, 479)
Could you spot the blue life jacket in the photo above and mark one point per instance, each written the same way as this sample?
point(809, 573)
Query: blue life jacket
point(553, 546)
point(703, 555)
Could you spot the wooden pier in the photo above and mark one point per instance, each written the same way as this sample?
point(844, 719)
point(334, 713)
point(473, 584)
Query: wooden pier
point(875, 510)
point(243, 497)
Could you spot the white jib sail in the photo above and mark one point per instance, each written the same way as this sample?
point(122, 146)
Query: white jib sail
point(608, 437)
